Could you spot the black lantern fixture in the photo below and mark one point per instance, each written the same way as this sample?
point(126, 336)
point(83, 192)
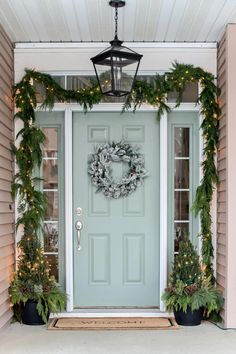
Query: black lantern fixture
point(116, 67)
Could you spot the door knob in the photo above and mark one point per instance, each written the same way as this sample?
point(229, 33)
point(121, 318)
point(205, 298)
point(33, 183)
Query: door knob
point(79, 226)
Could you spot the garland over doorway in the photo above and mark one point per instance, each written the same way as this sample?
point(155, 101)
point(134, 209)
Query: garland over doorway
point(31, 206)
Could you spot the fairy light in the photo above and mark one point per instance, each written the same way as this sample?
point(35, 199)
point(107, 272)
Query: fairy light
point(22, 99)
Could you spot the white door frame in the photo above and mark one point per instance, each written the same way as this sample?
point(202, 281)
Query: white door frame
point(69, 227)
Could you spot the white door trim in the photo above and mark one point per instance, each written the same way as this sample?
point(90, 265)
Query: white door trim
point(68, 210)
point(163, 207)
point(69, 227)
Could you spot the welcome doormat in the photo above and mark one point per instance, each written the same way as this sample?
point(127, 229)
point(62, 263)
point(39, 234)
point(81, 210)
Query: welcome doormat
point(112, 323)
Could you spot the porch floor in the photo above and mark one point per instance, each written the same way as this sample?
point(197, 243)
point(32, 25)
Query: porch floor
point(204, 339)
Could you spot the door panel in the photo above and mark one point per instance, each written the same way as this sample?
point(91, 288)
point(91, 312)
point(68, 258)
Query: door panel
point(118, 264)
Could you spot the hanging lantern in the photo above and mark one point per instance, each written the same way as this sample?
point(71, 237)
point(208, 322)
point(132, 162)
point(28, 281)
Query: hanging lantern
point(116, 67)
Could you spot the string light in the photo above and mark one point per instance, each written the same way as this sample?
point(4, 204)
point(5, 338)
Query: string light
point(22, 99)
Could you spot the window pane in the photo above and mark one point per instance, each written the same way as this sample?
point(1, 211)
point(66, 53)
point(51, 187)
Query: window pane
point(181, 230)
point(50, 174)
point(53, 261)
point(52, 205)
point(40, 89)
point(50, 148)
point(40, 92)
point(60, 80)
point(51, 184)
point(50, 237)
point(181, 205)
point(190, 93)
point(182, 142)
point(181, 174)
point(79, 82)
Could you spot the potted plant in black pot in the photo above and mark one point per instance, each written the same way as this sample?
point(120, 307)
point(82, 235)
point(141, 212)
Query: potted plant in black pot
point(33, 292)
point(190, 294)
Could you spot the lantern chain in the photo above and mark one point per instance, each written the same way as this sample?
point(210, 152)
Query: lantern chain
point(116, 21)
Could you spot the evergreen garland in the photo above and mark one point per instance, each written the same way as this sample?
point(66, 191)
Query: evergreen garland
point(32, 203)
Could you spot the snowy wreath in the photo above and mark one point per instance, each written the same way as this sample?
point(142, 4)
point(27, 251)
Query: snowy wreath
point(101, 173)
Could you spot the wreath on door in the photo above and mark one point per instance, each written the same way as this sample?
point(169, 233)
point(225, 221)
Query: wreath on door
point(100, 170)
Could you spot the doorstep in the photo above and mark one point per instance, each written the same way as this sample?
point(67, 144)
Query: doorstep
point(113, 313)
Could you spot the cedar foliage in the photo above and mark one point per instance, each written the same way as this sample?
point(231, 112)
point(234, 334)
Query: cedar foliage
point(32, 203)
point(189, 287)
point(32, 280)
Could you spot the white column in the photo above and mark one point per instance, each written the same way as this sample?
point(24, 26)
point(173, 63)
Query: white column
point(68, 209)
point(163, 206)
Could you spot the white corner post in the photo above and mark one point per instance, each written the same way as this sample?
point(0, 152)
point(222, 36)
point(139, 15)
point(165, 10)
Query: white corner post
point(163, 206)
point(68, 209)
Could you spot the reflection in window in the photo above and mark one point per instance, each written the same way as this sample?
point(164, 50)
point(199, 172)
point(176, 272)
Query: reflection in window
point(181, 205)
point(53, 261)
point(50, 173)
point(181, 184)
point(52, 205)
point(181, 142)
point(51, 237)
point(78, 82)
point(190, 93)
point(50, 188)
point(180, 229)
point(181, 174)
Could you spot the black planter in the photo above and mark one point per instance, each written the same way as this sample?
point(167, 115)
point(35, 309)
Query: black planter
point(189, 318)
point(30, 314)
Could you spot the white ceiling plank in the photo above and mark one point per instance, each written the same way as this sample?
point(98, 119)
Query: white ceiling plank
point(49, 15)
point(35, 13)
point(10, 22)
point(232, 17)
point(139, 20)
point(210, 18)
point(175, 20)
point(166, 11)
point(154, 13)
point(224, 17)
point(199, 18)
point(94, 26)
point(82, 17)
point(72, 23)
point(187, 20)
point(22, 10)
point(129, 20)
point(66, 20)
point(106, 22)
point(57, 25)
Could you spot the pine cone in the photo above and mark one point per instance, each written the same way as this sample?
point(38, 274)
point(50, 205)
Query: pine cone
point(23, 289)
point(190, 289)
point(46, 288)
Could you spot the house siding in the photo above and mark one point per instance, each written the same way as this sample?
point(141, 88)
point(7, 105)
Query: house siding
point(226, 194)
point(7, 239)
point(221, 163)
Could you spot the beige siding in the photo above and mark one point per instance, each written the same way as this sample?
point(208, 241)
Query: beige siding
point(7, 257)
point(221, 162)
point(226, 194)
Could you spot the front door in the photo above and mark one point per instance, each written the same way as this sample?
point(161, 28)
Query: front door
point(118, 263)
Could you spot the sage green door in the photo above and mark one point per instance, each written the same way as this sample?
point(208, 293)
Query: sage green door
point(118, 263)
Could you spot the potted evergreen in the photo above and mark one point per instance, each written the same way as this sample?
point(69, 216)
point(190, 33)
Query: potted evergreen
point(33, 292)
point(190, 294)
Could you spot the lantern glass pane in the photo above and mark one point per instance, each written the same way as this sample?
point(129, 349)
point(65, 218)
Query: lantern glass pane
point(117, 79)
point(104, 76)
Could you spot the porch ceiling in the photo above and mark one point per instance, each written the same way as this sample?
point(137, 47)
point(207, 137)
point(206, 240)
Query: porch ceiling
point(139, 20)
